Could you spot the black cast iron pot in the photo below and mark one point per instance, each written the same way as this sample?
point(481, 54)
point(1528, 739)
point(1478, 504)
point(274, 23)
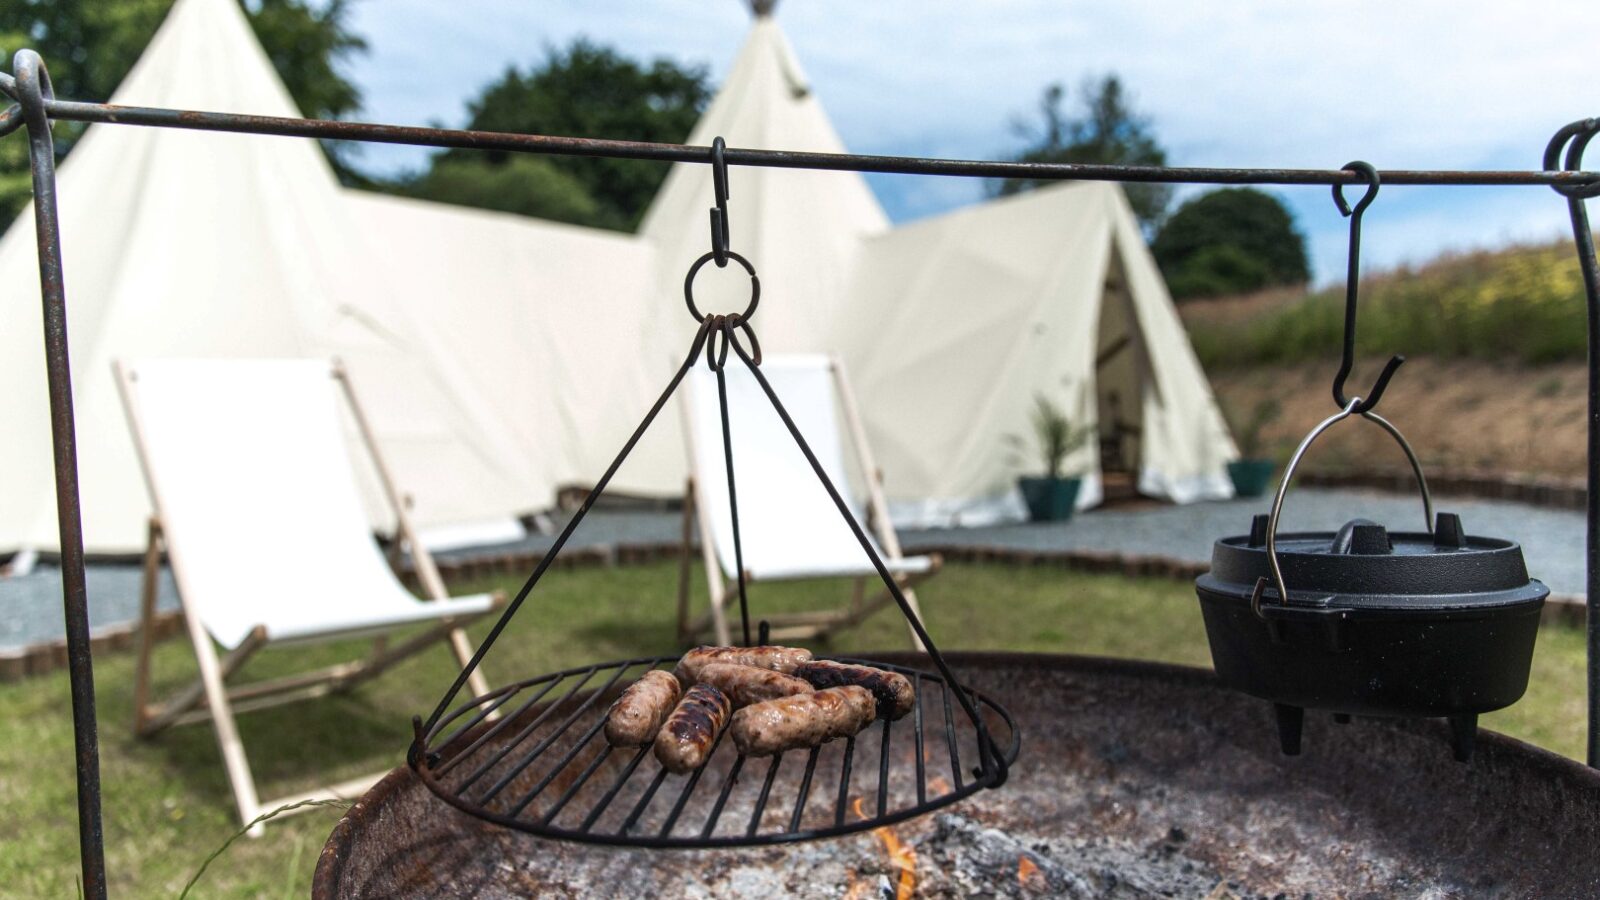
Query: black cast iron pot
point(1402, 624)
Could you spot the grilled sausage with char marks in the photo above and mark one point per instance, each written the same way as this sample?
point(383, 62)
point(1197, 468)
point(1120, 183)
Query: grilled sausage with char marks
point(803, 720)
point(637, 715)
point(893, 691)
point(778, 659)
point(685, 742)
point(745, 685)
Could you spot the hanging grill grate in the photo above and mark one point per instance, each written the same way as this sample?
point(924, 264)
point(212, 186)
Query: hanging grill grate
point(538, 767)
point(545, 768)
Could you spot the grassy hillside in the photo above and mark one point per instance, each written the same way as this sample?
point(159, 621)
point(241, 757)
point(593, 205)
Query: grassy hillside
point(1522, 304)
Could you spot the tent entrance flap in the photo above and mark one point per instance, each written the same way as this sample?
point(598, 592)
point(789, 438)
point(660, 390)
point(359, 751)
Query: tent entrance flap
point(1121, 361)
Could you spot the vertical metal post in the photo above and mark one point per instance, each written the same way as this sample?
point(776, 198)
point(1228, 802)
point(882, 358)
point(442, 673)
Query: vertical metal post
point(1591, 282)
point(33, 88)
point(1575, 137)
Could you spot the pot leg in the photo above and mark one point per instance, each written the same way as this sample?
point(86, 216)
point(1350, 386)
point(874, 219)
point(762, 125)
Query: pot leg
point(1290, 721)
point(1463, 735)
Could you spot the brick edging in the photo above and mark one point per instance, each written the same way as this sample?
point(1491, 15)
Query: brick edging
point(17, 663)
point(38, 659)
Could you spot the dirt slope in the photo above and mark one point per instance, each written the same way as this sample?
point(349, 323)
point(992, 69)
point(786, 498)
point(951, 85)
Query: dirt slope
point(1458, 414)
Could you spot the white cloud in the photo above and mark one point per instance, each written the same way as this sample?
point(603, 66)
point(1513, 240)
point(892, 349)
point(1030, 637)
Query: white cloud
point(1420, 84)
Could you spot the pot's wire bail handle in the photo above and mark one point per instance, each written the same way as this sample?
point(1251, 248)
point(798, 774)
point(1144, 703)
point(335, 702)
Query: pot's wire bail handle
point(1352, 273)
point(1352, 407)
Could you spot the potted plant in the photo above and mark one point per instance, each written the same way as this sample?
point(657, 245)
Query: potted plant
point(1252, 471)
point(1053, 496)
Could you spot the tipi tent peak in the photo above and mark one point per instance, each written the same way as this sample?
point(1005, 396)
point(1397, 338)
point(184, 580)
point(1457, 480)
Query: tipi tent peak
point(194, 244)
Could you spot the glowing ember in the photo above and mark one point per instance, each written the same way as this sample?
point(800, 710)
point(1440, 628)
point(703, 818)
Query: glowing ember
point(901, 856)
point(1029, 876)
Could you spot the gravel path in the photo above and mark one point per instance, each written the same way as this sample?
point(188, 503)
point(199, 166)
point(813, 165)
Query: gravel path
point(1553, 541)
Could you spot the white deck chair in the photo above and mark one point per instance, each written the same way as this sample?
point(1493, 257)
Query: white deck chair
point(257, 505)
point(789, 526)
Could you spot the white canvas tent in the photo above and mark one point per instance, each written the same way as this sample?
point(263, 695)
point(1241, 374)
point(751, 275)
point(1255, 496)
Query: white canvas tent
point(502, 357)
point(967, 317)
point(547, 320)
point(189, 244)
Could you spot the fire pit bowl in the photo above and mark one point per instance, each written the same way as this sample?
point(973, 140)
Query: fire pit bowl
point(1135, 779)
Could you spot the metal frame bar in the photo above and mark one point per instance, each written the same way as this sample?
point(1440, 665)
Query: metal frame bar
point(36, 108)
point(322, 129)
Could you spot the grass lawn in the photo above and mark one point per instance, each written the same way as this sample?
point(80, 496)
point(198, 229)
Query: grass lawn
point(167, 803)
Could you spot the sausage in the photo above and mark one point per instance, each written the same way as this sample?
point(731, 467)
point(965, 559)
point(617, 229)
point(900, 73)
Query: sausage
point(637, 715)
point(803, 720)
point(745, 685)
point(685, 742)
point(893, 691)
point(778, 659)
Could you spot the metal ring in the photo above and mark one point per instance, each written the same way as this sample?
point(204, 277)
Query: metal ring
point(719, 326)
point(728, 327)
point(754, 356)
point(1288, 474)
point(755, 285)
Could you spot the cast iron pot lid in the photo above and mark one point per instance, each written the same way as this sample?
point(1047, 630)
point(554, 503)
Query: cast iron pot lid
point(1364, 566)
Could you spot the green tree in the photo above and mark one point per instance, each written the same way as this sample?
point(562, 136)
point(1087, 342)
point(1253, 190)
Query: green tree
point(1107, 131)
point(1230, 241)
point(585, 90)
point(89, 46)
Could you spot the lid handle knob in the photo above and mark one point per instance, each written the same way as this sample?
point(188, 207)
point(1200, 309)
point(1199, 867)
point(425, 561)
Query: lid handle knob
point(1362, 537)
point(1448, 533)
point(1258, 529)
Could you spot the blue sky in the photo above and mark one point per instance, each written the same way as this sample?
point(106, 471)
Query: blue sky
point(1419, 84)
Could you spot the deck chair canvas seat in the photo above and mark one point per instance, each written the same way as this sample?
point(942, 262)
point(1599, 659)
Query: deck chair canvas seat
point(789, 527)
point(258, 508)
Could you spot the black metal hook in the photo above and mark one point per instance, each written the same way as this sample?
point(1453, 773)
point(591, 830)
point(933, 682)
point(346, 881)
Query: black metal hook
point(719, 213)
point(1347, 360)
point(1579, 133)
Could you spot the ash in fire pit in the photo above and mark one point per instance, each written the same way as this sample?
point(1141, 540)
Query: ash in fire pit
point(964, 858)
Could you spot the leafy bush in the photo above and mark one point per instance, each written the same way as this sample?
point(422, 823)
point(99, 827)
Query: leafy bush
point(1525, 304)
point(1214, 271)
point(1230, 241)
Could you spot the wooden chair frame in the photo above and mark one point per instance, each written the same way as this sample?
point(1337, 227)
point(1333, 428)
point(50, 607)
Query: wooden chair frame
point(209, 697)
point(817, 624)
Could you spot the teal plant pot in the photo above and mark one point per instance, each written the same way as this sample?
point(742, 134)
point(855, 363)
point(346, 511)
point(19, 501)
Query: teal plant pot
point(1251, 476)
point(1050, 499)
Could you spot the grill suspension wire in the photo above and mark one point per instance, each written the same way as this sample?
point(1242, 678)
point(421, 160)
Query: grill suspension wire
point(35, 108)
